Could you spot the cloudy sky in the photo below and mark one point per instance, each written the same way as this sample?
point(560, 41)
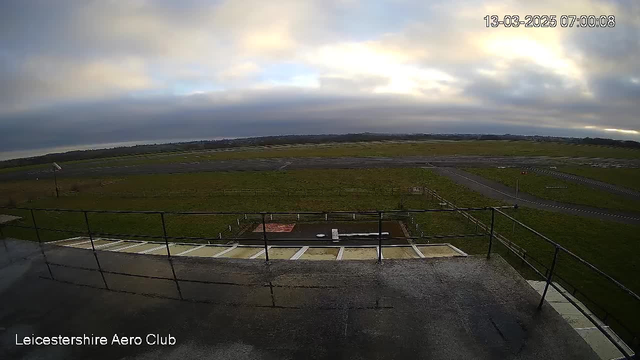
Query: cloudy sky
point(89, 72)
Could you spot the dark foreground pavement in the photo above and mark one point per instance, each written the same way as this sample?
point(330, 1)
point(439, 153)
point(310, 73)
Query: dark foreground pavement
point(456, 308)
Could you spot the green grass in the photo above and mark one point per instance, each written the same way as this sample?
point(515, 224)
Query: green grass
point(23, 168)
point(285, 191)
point(536, 185)
point(427, 148)
point(629, 178)
point(610, 246)
point(364, 149)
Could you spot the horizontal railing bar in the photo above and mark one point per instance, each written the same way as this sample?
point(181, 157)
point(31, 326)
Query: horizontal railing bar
point(565, 250)
point(525, 261)
point(99, 234)
point(370, 212)
point(603, 331)
point(559, 277)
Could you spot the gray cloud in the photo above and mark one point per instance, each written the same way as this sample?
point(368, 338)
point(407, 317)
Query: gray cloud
point(110, 71)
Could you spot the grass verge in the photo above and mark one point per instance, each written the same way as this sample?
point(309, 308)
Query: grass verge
point(551, 188)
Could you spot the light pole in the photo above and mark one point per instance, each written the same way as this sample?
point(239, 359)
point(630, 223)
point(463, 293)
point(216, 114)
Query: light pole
point(56, 167)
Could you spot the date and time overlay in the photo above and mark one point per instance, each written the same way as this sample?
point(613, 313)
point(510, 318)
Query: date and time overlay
point(551, 21)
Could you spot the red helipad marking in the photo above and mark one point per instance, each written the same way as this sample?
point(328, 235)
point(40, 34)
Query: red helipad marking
point(276, 228)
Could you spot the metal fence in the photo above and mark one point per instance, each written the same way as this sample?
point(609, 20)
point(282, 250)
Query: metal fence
point(324, 192)
point(482, 230)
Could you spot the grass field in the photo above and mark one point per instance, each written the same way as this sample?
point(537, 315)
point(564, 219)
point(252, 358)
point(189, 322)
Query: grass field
point(367, 149)
point(537, 185)
point(507, 148)
point(607, 245)
point(629, 178)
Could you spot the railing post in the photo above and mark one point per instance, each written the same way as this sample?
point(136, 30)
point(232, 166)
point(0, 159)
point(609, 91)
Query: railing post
point(93, 247)
point(379, 236)
point(493, 217)
point(35, 227)
point(549, 276)
point(166, 243)
point(264, 237)
point(4, 242)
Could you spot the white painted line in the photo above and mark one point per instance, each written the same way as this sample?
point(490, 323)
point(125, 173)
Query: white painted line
point(128, 246)
point(259, 253)
point(420, 254)
point(105, 245)
point(80, 243)
point(57, 241)
point(297, 255)
point(457, 250)
point(190, 250)
point(225, 251)
point(591, 328)
point(153, 249)
point(340, 253)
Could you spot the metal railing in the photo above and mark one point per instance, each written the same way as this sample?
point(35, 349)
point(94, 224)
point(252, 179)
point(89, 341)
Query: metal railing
point(550, 274)
point(378, 215)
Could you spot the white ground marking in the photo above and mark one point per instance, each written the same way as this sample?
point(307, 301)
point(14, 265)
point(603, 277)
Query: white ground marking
point(190, 250)
point(340, 253)
point(105, 245)
point(127, 247)
point(73, 238)
point(285, 165)
point(458, 250)
point(297, 255)
point(259, 253)
point(592, 327)
point(153, 249)
point(420, 254)
point(225, 251)
point(80, 243)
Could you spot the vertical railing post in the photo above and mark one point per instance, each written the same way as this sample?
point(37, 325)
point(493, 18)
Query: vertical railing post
point(264, 237)
point(93, 247)
point(35, 227)
point(4, 242)
point(166, 243)
point(379, 236)
point(549, 276)
point(493, 217)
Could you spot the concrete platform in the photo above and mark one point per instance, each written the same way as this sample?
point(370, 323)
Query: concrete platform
point(582, 325)
point(312, 251)
point(440, 308)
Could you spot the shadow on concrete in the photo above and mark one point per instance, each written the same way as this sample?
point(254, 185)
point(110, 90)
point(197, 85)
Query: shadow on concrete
point(249, 309)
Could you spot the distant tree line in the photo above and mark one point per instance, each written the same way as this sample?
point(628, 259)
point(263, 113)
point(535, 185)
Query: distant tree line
point(291, 140)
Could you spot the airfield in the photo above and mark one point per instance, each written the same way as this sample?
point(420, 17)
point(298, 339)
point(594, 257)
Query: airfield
point(183, 232)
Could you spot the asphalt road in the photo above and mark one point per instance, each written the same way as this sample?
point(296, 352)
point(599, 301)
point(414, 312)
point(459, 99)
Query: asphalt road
point(74, 170)
point(614, 189)
point(504, 193)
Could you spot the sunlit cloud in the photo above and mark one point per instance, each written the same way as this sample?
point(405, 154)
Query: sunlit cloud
point(403, 66)
point(624, 131)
